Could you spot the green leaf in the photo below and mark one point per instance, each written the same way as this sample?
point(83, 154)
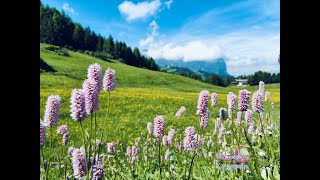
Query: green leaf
point(87, 134)
point(276, 174)
point(263, 162)
point(149, 175)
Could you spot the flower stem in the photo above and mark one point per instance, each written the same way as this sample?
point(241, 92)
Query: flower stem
point(65, 167)
point(50, 150)
point(89, 153)
point(261, 124)
point(191, 165)
point(42, 157)
point(84, 144)
point(108, 103)
point(95, 136)
point(232, 132)
point(159, 159)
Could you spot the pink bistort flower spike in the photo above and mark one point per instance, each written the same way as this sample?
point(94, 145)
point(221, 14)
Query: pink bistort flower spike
point(244, 97)
point(231, 101)
point(257, 103)
point(91, 95)
point(202, 106)
point(42, 133)
point(158, 127)
point(79, 163)
point(51, 114)
point(261, 87)
point(248, 116)
point(180, 111)
point(94, 73)
point(214, 99)
point(78, 108)
point(109, 80)
point(171, 136)
point(149, 127)
point(190, 142)
point(97, 171)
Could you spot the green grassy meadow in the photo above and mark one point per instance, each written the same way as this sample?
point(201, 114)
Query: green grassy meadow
point(140, 96)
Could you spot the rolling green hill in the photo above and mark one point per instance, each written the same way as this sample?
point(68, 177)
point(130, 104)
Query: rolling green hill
point(71, 71)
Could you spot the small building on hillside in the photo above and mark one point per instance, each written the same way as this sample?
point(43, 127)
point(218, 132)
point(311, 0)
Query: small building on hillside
point(242, 82)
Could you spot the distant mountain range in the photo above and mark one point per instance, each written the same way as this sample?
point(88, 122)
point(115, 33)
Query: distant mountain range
point(217, 66)
point(195, 74)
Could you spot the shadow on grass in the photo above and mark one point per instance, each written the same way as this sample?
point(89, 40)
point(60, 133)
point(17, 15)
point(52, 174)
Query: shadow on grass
point(46, 67)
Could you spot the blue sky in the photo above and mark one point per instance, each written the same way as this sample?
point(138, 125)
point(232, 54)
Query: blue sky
point(245, 33)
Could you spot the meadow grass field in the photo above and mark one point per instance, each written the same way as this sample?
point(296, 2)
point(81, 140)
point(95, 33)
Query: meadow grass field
point(139, 97)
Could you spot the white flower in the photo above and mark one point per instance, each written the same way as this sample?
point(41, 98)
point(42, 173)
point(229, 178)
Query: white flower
point(261, 153)
point(263, 173)
point(224, 144)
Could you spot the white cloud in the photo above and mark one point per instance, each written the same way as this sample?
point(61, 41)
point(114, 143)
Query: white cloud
point(247, 53)
point(140, 10)
point(147, 41)
point(69, 9)
point(193, 50)
point(244, 52)
point(153, 27)
point(168, 3)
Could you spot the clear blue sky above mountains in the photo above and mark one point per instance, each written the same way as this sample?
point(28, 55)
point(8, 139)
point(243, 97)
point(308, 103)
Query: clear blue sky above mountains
point(245, 33)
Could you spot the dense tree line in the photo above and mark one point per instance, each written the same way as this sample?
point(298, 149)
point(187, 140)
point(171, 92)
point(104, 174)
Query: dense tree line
point(58, 29)
point(215, 79)
point(258, 76)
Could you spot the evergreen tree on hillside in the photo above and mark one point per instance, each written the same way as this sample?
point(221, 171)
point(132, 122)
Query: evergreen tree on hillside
point(137, 57)
point(58, 28)
point(67, 31)
point(273, 78)
point(78, 36)
point(86, 38)
point(100, 44)
point(123, 52)
point(93, 41)
point(108, 45)
point(46, 25)
point(278, 78)
point(129, 57)
point(153, 65)
point(117, 50)
point(215, 79)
